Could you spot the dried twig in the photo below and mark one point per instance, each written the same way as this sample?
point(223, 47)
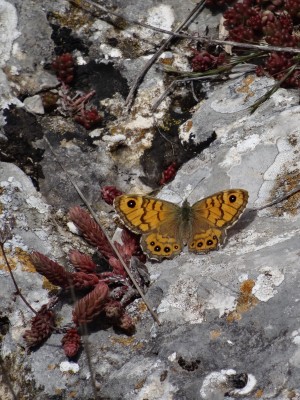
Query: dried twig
point(215, 73)
point(18, 291)
point(176, 82)
point(280, 199)
point(152, 60)
point(203, 39)
point(274, 88)
point(262, 48)
point(154, 315)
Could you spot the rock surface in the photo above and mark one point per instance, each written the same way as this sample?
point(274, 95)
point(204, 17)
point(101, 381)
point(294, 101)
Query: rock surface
point(230, 324)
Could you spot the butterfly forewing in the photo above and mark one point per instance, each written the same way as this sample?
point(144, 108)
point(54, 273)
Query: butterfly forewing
point(222, 209)
point(144, 214)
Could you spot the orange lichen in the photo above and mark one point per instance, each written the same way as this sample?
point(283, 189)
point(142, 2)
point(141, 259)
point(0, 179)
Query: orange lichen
point(75, 18)
point(245, 88)
point(259, 393)
point(12, 261)
point(233, 316)
point(166, 61)
point(18, 256)
point(48, 285)
point(125, 341)
point(245, 301)
point(73, 394)
point(139, 346)
point(24, 258)
point(187, 126)
point(215, 334)
point(286, 182)
point(51, 367)
point(142, 307)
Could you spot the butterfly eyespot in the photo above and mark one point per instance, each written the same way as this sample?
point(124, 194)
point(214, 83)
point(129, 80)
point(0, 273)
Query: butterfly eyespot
point(232, 198)
point(167, 249)
point(152, 243)
point(209, 242)
point(215, 237)
point(157, 248)
point(200, 244)
point(176, 247)
point(131, 203)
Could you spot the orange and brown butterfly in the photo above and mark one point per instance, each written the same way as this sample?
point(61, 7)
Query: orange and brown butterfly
point(166, 227)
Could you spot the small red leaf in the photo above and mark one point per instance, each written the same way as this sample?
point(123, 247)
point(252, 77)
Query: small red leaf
point(71, 342)
point(91, 231)
point(87, 308)
point(42, 325)
point(82, 262)
point(81, 280)
point(53, 271)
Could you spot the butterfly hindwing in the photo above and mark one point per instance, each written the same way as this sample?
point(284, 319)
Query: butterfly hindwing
point(205, 240)
point(157, 246)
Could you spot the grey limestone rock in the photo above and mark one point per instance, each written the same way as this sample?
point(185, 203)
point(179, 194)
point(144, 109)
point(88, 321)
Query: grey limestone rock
point(230, 321)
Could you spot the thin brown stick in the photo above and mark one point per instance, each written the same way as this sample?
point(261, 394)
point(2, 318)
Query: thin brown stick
point(18, 291)
point(86, 347)
point(152, 60)
point(177, 82)
point(280, 199)
point(204, 39)
point(163, 135)
point(154, 315)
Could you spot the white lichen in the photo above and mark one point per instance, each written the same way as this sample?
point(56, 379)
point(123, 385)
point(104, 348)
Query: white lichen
point(264, 289)
point(8, 30)
point(69, 366)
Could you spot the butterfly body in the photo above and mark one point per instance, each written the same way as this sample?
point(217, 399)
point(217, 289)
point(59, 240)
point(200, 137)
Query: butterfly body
point(166, 227)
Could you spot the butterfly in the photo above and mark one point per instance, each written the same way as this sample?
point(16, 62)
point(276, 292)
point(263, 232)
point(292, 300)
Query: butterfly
point(166, 227)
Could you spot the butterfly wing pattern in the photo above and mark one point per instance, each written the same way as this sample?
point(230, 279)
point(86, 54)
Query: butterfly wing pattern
point(210, 217)
point(166, 228)
point(157, 220)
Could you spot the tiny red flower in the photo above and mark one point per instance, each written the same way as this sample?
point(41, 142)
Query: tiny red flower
point(168, 174)
point(109, 193)
point(71, 342)
point(64, 67)
point(42, 325)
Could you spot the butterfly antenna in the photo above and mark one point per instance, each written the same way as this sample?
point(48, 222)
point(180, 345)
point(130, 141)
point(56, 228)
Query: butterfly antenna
point(195, 187)
point(154, 315)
